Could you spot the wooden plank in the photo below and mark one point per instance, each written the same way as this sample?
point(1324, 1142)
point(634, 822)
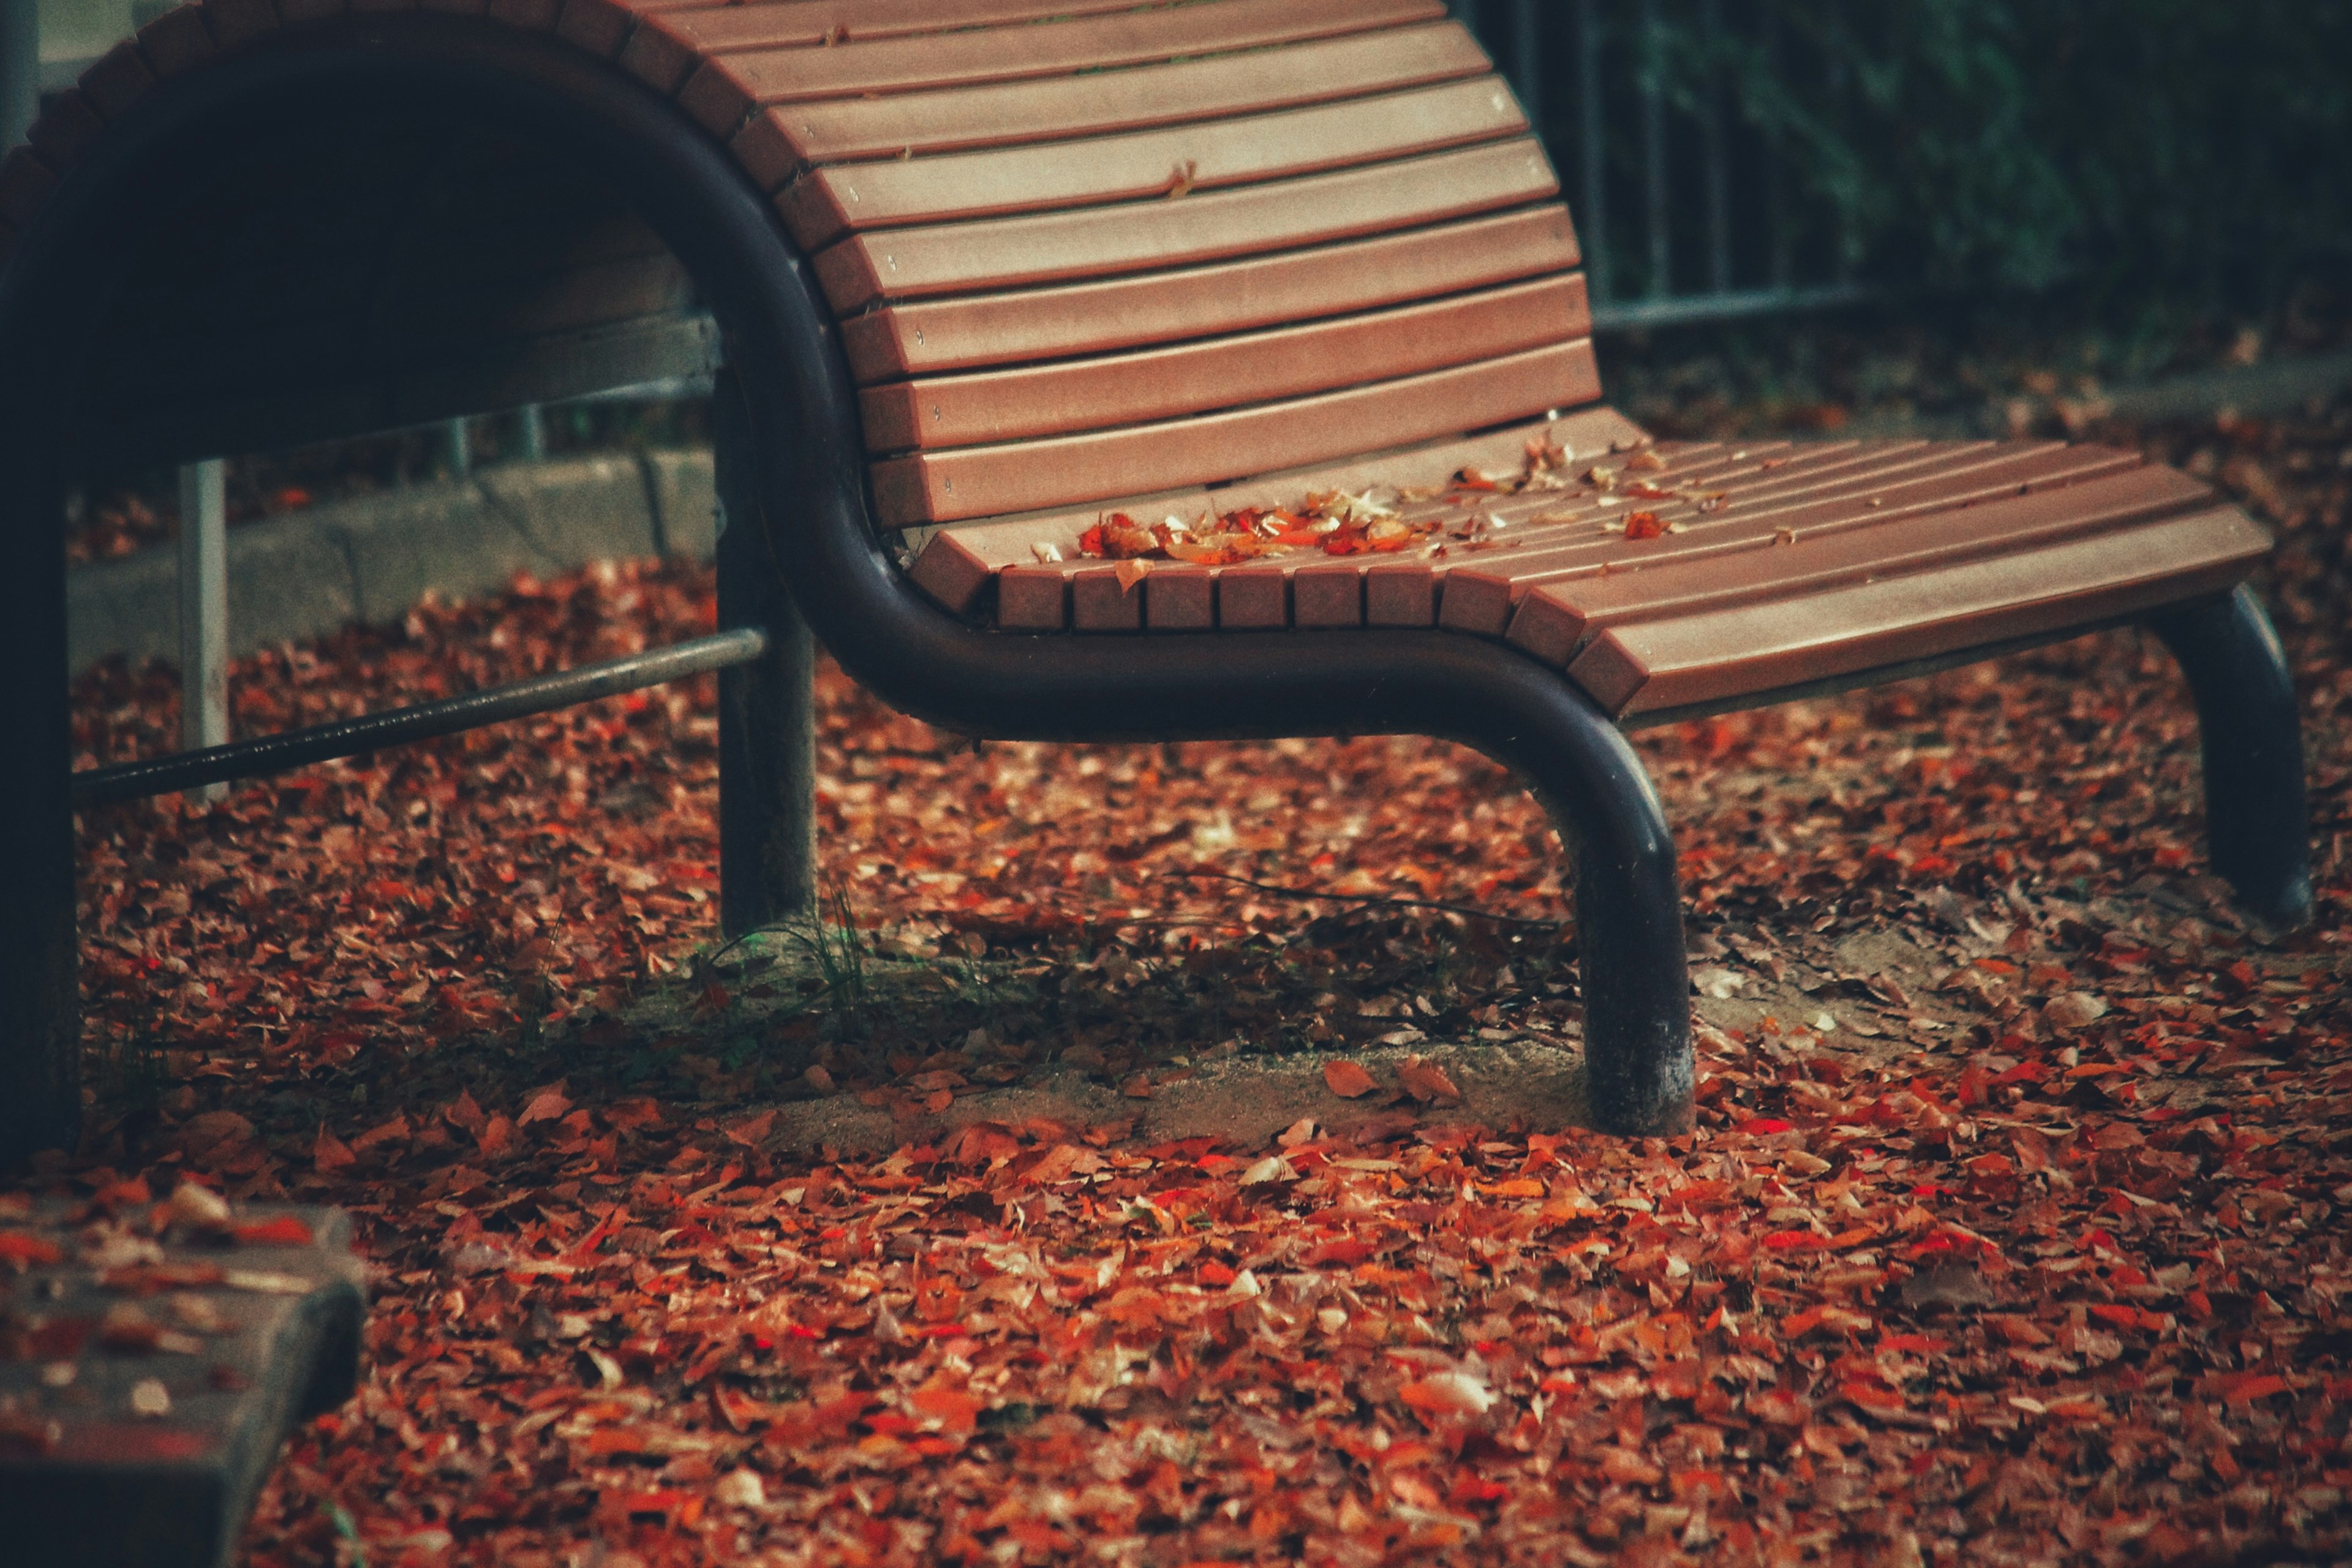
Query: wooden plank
point(25, 181)
point(119, 80)
point(987, 481)
point(1203, 156)
point(726, 89)
point(778, 141)
point(237, 22)
point(178, 40)
point(1553, 619)
point(1425, 463)
point(669, 47)
point(66, 129)
point(1719, 658)
point(930, 336)
point(601, 26)
point(1258, 367)
point(1920, 476)
point(1057, 247)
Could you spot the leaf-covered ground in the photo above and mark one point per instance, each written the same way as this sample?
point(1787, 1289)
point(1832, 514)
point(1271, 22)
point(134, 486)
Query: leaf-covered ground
point(2038, 1254)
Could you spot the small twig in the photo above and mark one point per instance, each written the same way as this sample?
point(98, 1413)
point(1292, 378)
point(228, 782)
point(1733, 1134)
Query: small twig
point(1315, 896)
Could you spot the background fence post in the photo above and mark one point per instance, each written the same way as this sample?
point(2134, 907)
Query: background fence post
point(203, 611)
point(1593, 214)
point(1661, 279)
point(767, 709)
point(20, 69)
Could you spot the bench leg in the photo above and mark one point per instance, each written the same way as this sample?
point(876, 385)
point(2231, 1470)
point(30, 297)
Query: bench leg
point(40, 1006)
point(1629, 921)
point(2256, 818)
point(767, 709)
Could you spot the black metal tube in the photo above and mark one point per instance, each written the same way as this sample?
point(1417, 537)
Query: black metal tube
point(2257, 819)
point(419, 721)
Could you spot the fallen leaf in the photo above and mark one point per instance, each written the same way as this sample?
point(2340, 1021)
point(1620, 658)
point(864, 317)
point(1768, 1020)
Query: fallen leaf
point(1347, 1079)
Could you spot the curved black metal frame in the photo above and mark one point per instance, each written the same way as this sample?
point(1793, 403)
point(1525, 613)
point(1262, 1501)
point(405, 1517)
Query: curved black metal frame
point(810, 468)
point(2257, 820)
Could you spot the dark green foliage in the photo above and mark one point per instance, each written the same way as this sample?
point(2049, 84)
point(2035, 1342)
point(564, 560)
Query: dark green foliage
point(2002, 143)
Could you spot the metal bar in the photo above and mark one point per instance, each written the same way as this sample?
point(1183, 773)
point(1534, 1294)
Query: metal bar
point(1776, 170)
point(532, 445)
point(1688, 308)
point(421, 721)
point(767, 708)
point(1719, 155)
point(1594, 219)
point(1528, 60)
point(1653, 149)
point(204, 610)
point(458, 444)
point(20, 69)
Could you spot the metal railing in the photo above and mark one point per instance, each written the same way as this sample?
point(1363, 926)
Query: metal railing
point(1714, 229)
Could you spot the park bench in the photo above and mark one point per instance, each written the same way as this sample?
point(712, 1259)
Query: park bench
point(1000, 288)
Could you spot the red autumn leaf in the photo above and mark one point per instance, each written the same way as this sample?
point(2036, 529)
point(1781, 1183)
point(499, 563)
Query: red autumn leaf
point(285, 1230)
point(1425, 1081)
point(548, 1104)
point(25, 1250)
point(956, 1409)
point(1347, 1079)
point(1643, 525)
point(496, 1136)
point(330, 1153)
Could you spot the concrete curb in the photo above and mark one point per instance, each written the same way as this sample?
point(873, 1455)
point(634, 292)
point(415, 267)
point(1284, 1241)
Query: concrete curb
point(370, 557)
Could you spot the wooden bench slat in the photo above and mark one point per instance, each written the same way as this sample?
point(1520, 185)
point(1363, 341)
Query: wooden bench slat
point(725, 89)
point(1480, 596)
point(927, 337)
point(778, 140)
point(1652, 665)
point(601, 26)
point(1170, 382)
point(670, 45)
point(956, 562)
point(985, 481)
point(1204, 155)
point(1554, 618)
point(1054, 247)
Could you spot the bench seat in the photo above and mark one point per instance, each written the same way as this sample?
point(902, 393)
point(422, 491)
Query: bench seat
point(1776, 565)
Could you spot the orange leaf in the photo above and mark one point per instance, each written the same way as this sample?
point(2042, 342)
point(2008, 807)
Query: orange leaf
point(953, 1408)
point(285, 1230)
point(1643, 525)
point(330, 1153)
point(550, 1104)
point(1425, 1081)
point(2262, 1386)
point(1347, 1080)
point(17, 1247)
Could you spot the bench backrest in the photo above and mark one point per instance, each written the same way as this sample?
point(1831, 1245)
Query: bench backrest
point(1080, 250)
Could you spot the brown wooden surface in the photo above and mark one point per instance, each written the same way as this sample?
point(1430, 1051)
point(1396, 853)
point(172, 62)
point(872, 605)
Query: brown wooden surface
point(669, 47)
point(1053, 248)
point(778, 140)
point(233, 23)
point(830, 202)
point(989, 481)
point(1553, 619)
point(725, 89)
point(1711, 659)
point(930, 336)
point(955, 563)
point(1166, 384)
